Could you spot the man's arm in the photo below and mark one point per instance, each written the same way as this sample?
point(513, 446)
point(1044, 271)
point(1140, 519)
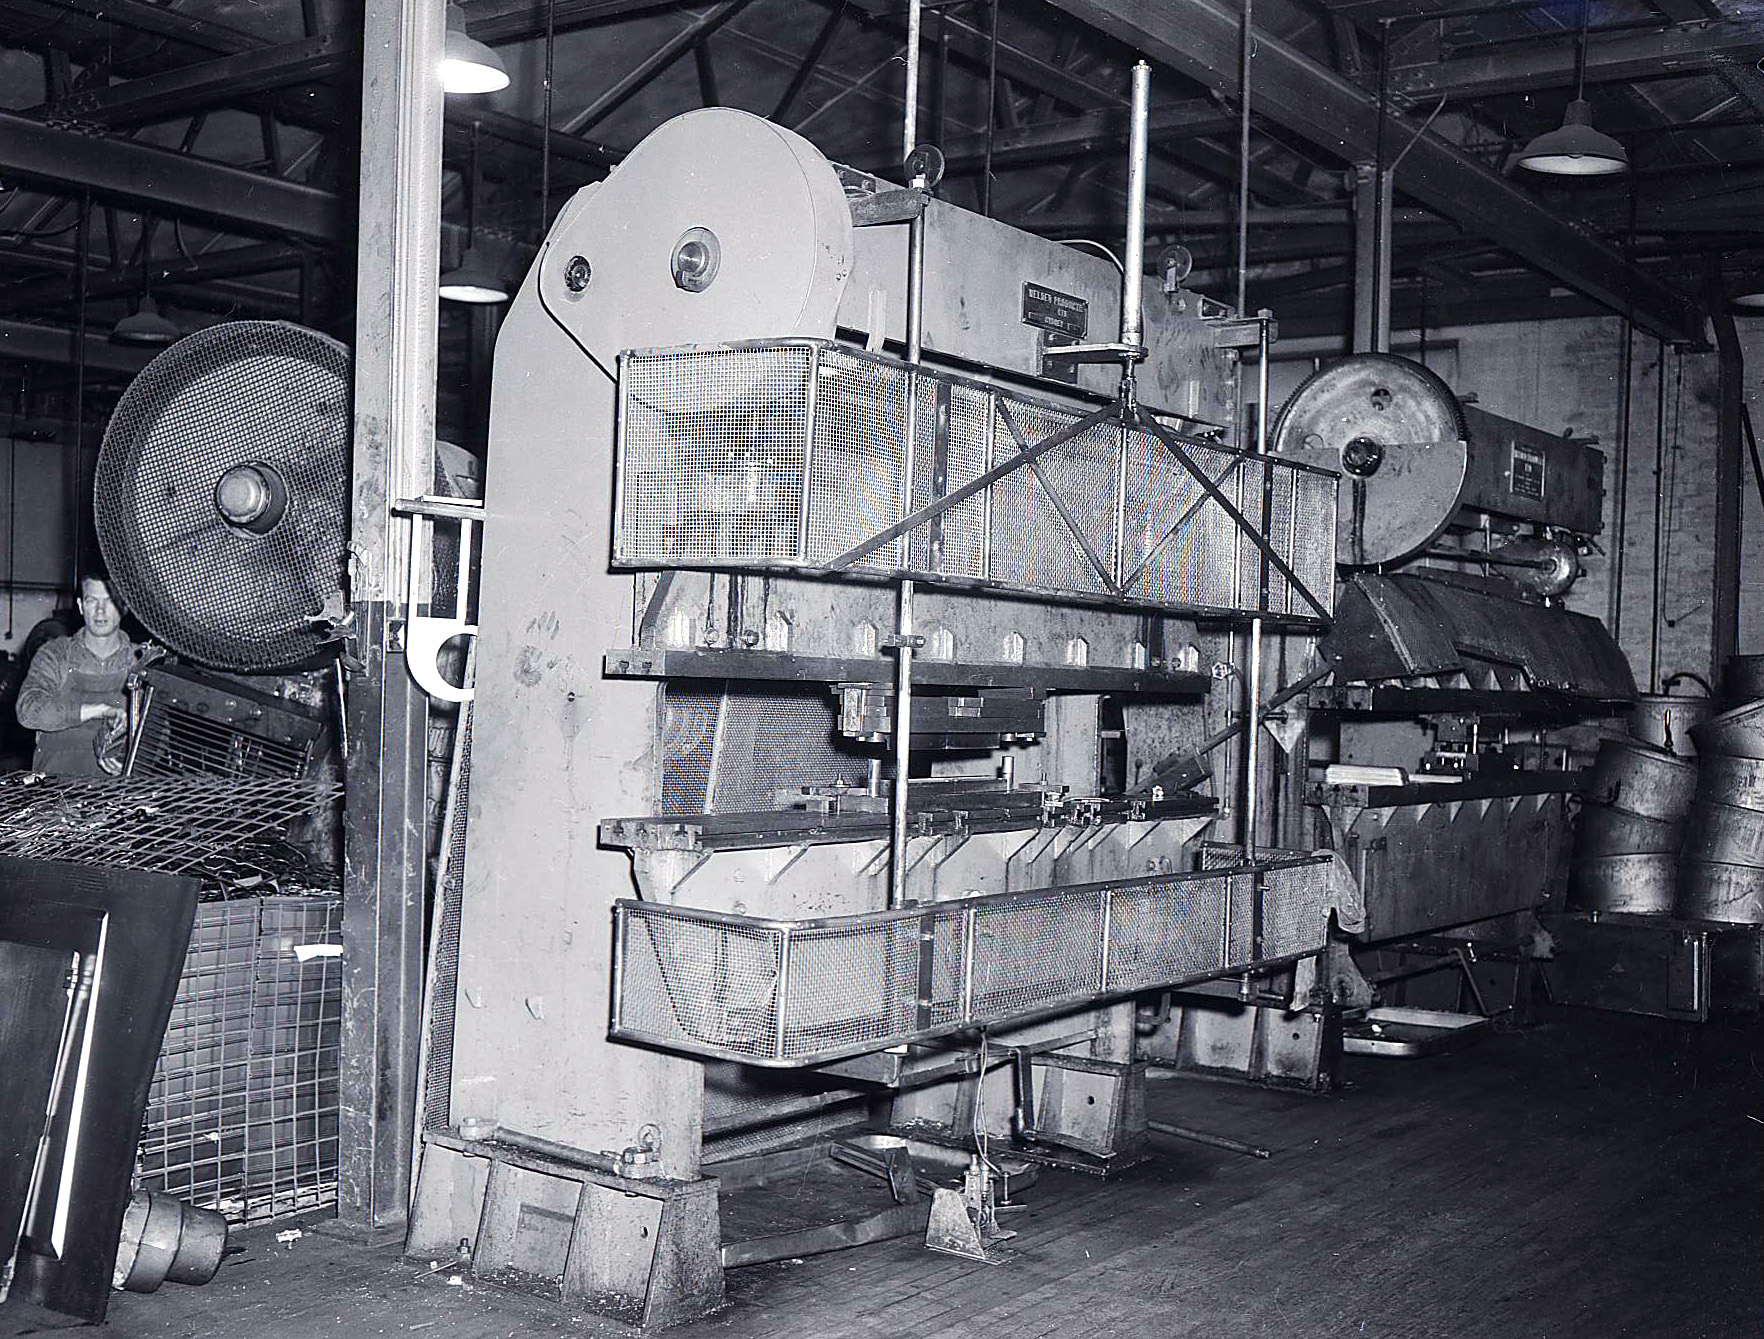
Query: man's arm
point(46, 701)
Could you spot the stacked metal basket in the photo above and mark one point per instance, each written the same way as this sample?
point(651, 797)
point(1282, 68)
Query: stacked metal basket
point(1673, 820)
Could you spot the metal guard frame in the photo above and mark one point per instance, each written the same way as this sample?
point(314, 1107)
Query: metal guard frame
point(792, 993)
point(927, 504)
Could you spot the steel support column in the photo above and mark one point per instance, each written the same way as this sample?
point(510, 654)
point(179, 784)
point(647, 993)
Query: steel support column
point(1372, 223)
point(1724, 592)
point(395, 361)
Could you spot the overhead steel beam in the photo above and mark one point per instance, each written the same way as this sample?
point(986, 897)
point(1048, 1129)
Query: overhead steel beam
point(164, 21)
point(231, 263)
point(1663, 53)
point(1090, 132)
point(1200, 39)
point(142, 177)
point(211, 83)
point(646, 70)
point(23, 342)
point(517, 20)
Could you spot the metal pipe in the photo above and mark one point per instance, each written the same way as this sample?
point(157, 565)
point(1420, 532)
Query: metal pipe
point(915, 348)
point(1225, 1142)
point(1133, 263)
point(1252, 747)
point(1243, 153)
point(909, 131)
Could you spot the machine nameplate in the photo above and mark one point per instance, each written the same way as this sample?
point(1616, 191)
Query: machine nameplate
point(1053, 310)
point(1528, 472)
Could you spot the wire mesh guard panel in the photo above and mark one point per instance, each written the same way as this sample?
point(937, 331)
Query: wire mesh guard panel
point(177, 742)
point(792, 993)
point(242, 1113)
point(248, 393)
point(170, 824)
point(793, 454)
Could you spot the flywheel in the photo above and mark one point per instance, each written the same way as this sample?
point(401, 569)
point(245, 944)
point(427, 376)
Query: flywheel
point(1395, 433)
point(222, 493)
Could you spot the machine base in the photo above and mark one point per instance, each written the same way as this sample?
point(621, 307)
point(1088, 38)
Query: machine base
point(1655, 965)
point(642, 1251)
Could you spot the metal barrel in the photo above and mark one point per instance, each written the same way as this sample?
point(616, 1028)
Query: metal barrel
point(1638, 779)
point(1638, 884)
point(1738, 733)
point(1667, 722)
point(1724, 834)
point(1743, 680)
point(1729, 779)
point(1607, 831)
point(1708, 891)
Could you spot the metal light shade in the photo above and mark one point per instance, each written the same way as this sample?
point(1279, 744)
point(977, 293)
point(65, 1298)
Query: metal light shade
point(1752, 300)
point(467, 65)
point(1575, 149)
point(473, 280)
point(145, 327)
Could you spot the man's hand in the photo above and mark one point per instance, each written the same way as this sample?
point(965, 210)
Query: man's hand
point(92, 711)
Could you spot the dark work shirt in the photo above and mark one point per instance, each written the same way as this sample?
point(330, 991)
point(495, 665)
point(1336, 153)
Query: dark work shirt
point(64, 676)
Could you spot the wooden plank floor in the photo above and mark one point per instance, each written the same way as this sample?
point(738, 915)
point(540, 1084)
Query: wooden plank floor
point(1596, 1176)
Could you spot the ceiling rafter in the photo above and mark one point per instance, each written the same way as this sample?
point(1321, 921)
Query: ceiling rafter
point(1200, 38)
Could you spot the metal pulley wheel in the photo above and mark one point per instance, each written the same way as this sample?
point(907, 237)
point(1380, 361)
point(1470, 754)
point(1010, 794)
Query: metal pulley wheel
point(1395, 433)
point(222, 493)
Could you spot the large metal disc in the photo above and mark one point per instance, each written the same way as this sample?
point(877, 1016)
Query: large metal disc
point(1395, 434)
point(222, 493)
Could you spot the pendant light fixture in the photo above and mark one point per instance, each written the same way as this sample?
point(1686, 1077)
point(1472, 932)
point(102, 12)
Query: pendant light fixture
point(145, 328)
point(474, 279)
point(467, 65)
point(1575, 149)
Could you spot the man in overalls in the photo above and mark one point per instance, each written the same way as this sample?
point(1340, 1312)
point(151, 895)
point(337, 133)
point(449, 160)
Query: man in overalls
point(73, 694)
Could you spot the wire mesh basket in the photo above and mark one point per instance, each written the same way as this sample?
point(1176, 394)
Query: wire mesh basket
point(243, 1110)
point(806, 455)
point(786, 993)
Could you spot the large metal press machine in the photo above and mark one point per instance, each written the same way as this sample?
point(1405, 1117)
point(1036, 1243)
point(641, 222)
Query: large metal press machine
point(867, 590)
point(845, 554)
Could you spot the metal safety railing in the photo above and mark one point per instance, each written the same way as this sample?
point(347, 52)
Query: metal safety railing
point(791, 993)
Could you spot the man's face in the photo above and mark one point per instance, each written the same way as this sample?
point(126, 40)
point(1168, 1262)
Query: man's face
point(98, 609)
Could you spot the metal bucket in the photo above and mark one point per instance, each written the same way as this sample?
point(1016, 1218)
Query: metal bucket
point(1738, 733)
point(1666, 722)
point(1639, 884)
point(1641, 780)
point(1607, 831)
point(1713, 892)
point(1743, 680)
point(1728, 779)
point(1724, 834)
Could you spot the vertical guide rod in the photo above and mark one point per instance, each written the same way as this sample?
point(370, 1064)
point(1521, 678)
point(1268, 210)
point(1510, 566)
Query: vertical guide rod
point(915, 348)
point(1133, 267)
point(1252, 743)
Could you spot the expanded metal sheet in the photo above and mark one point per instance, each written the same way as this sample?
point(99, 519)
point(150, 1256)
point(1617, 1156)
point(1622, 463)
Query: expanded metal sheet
point(794, 454)
point(175, 825)
point(794, 993)
point(710, 986)
point(732, 751)
point(261, 393)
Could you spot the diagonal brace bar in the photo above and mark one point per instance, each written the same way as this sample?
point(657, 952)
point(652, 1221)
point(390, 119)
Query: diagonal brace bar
point(1079, 540)
point(1213, 490)
point(937, 506)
